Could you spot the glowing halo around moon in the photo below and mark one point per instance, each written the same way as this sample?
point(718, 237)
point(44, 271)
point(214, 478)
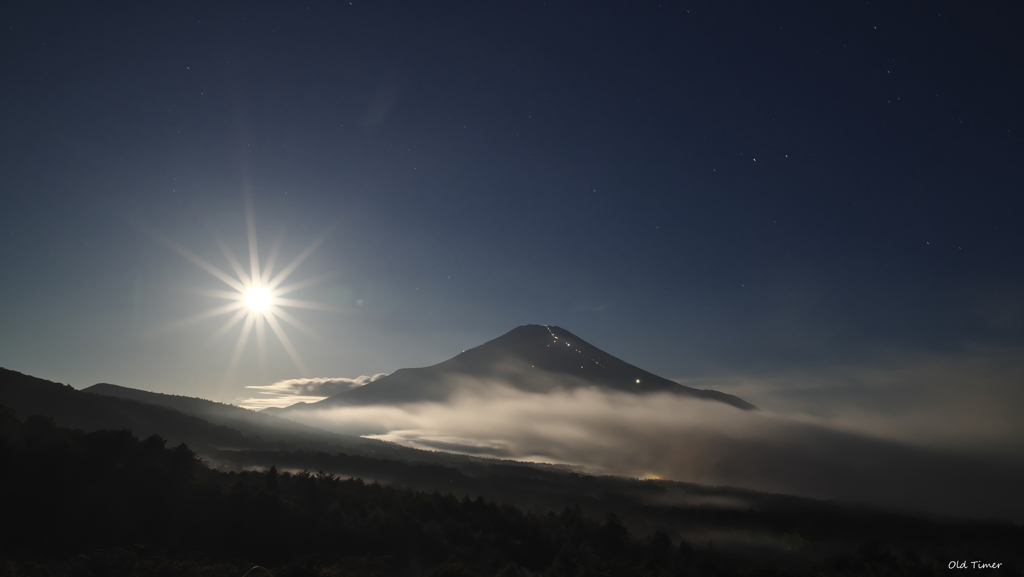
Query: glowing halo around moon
point(258, 299)
point(258, 296)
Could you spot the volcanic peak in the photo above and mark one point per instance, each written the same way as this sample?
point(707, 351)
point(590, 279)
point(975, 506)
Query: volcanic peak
point(533, 358)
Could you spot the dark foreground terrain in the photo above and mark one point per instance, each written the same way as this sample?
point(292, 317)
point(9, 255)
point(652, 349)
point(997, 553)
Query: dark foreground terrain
point(108, 503)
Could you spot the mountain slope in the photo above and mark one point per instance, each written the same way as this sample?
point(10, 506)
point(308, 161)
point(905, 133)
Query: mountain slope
point(533, 358)
point(75, 409)
point(202, 424)
point(248, 422)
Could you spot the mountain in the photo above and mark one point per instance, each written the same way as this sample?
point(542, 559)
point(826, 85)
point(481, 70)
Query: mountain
point(532, 358)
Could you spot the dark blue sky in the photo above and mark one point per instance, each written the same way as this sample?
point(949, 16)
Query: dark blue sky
point(694, 188)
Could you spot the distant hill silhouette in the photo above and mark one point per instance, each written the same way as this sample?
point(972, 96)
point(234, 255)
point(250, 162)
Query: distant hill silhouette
point(202, 424)
point(533, 358)
point(75, 409)
point(248, 422)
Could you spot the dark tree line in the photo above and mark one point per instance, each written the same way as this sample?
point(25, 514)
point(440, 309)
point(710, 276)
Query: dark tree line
point(67, 493)
point(73, 497)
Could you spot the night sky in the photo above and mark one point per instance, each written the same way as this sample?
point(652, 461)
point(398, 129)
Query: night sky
point(705, 190)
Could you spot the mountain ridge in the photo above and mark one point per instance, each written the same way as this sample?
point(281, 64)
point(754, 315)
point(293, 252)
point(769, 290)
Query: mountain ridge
point(92, 410)
point(241, 419)
point(529, 358)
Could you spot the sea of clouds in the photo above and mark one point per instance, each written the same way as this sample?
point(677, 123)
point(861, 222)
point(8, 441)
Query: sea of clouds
point(948, 439)
point(307, 390)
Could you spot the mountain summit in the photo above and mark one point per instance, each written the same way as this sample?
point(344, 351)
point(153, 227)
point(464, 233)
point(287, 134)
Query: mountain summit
point(533, 358)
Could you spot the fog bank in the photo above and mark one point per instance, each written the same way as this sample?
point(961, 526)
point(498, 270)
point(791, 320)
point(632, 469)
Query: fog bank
point(684, 439)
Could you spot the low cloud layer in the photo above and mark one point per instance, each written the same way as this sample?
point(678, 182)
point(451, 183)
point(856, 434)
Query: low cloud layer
point(969, 402)
point(311, 390)
point(866, 459)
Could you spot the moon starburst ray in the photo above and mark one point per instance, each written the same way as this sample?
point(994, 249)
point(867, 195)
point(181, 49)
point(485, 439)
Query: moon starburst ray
point(250, 226)
point(287, 344)
point(275, 248)
point(281, 291)
point(237, 266)
point(243, 337)
point(288, 318)
point(261, 341)
point(197, 260)
point(227, 295)
point(301, 304)
point(281, 276)
point(216, 312)
point(228, 325)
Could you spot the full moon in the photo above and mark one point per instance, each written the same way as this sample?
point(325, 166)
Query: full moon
point(258, 298)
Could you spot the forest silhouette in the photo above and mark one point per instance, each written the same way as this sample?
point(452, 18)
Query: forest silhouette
point(107, 503)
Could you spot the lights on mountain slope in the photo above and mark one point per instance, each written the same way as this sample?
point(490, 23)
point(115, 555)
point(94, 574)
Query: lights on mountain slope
point(570, 345)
